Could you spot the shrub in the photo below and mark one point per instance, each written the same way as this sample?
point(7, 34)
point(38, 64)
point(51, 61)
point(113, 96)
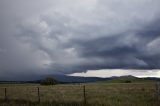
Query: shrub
point(127, 81)
point(49, 81)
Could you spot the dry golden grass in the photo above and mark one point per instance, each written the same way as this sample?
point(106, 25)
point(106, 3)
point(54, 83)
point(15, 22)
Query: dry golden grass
point(97, 94)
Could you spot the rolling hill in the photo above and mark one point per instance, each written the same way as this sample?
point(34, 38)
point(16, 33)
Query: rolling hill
point(129, 79)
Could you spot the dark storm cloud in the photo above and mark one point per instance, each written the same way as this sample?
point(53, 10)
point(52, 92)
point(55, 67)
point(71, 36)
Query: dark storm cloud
point(133, 54)
point(43, 37)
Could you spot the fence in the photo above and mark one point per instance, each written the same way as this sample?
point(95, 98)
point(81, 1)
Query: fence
point(89, 93)
point(43, 93)
point(158, 90)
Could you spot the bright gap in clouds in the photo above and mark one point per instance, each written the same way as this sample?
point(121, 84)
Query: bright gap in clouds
point(118, 72)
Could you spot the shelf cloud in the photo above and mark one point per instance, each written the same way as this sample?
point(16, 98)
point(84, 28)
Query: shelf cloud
point(69, 36)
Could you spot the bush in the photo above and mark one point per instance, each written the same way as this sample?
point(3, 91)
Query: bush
point(127, 81)
point(49, 81)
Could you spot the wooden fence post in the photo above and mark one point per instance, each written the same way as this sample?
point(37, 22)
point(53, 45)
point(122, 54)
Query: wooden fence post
point(158, 90)
point(38, 94)
point(84, 94)
point(5, 94)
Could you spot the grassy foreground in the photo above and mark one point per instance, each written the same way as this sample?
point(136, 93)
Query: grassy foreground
point(97, 94)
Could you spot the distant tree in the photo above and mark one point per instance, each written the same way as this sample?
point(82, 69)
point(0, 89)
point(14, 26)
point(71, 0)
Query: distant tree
point(127, 81)
point(49, 81)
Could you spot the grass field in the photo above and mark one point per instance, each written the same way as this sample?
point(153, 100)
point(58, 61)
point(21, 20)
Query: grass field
point(97, 94)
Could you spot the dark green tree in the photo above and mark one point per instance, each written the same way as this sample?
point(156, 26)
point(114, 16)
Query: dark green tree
point(49, 81)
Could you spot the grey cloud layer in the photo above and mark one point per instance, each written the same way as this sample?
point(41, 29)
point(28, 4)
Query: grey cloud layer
point(74, 35)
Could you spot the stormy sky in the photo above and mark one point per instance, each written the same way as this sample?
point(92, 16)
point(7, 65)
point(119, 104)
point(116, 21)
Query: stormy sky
point(40, 37)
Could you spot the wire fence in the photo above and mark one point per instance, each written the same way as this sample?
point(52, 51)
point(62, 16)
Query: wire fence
point(80, 93)
point(43, 93)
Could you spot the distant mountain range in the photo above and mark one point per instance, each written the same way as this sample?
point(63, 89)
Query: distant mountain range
point(75, 79)
point(65, 78)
